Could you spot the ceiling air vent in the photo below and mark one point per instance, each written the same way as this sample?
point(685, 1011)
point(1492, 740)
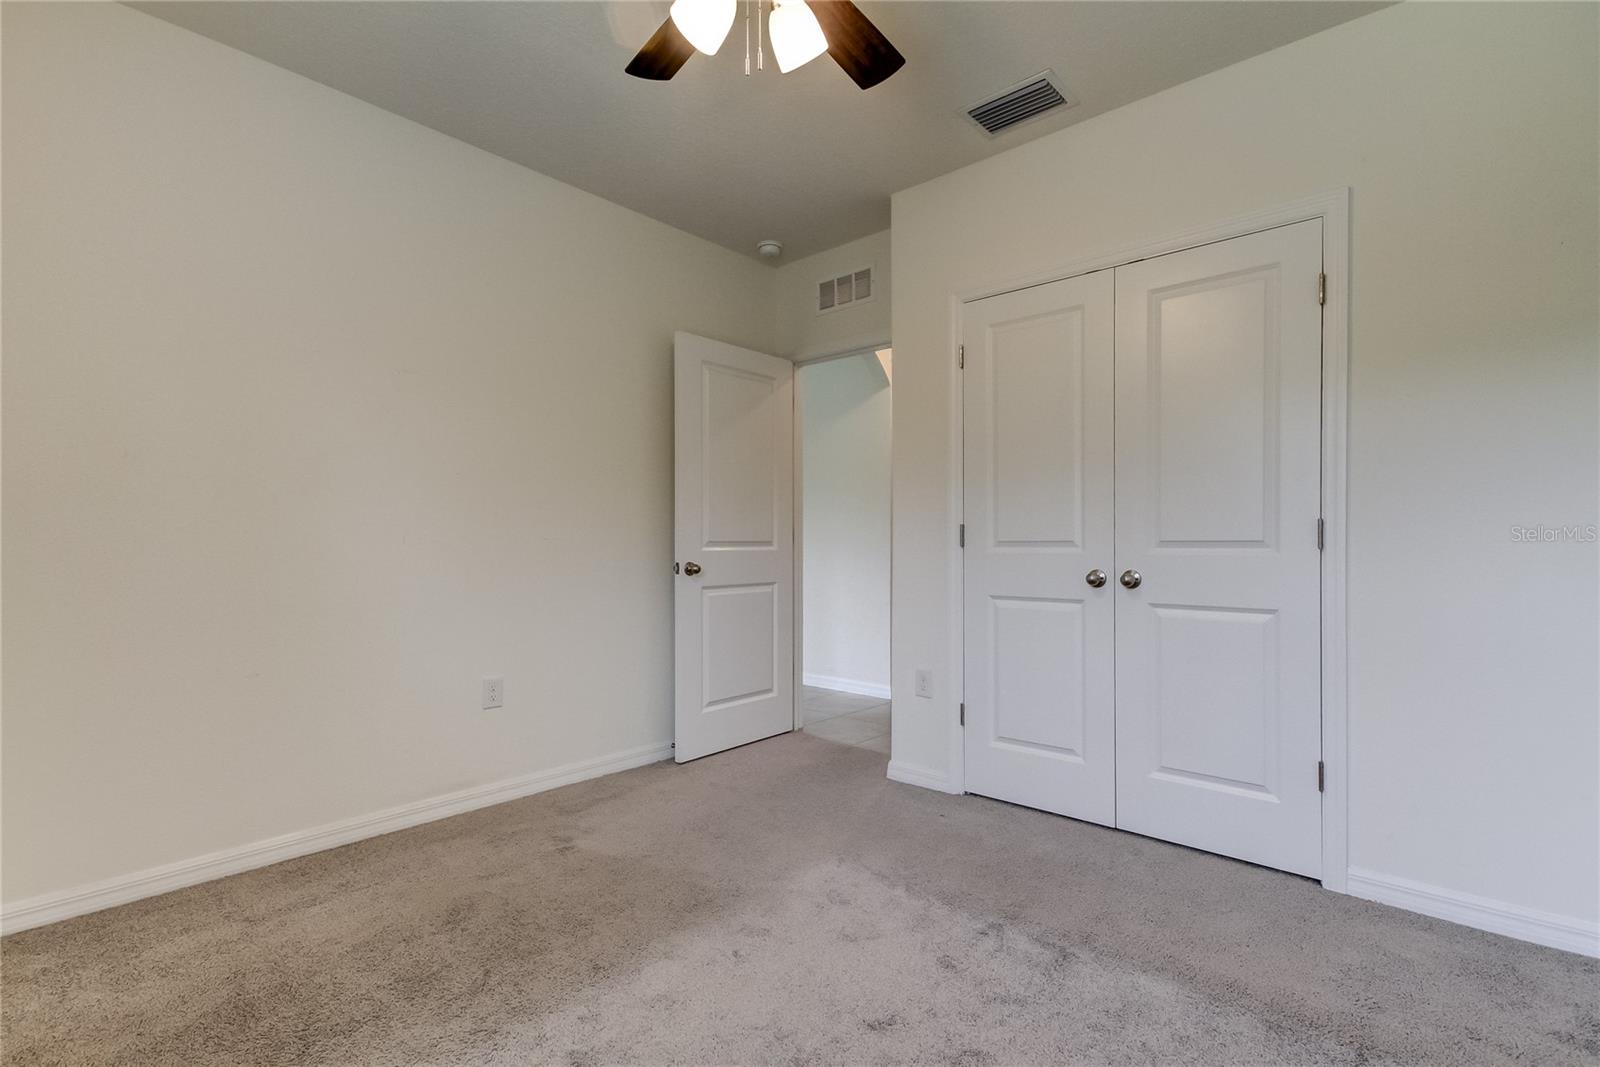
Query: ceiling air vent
point(1019, 103)
point(853, 287)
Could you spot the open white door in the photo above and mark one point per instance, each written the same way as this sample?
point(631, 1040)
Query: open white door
point(734, 546)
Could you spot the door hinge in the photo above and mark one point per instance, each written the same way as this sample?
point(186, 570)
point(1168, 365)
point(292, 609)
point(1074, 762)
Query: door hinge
point(1321, 535)
point(1322, 289)
point(1321, 776)
point(961, 357)
point(963, 714)
point(961, 535)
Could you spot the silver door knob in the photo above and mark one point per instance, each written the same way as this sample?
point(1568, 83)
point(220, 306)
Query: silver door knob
point(1096, 578)
point(1130, 579)
point(691, 568)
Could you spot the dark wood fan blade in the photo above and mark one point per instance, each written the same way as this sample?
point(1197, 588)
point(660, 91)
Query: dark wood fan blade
point(855, 43)
point(663, 55)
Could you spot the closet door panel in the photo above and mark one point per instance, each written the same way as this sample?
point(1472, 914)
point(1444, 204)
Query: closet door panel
point(1038, 437)
point(1218, 412)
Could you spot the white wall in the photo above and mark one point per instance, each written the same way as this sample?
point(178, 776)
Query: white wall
point(1468, 134)
point(846, 415)
point(802, 332)
point(312, 418)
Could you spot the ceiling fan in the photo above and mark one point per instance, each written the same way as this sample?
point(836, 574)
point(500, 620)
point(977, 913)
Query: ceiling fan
point(800, 31)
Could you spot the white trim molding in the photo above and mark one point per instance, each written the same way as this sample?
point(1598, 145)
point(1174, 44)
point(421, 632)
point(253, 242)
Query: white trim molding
point(847, 685)
point(860, 347)
point(921, 776)
point(1334, 208)
point(124, 889)
point(1481, 913)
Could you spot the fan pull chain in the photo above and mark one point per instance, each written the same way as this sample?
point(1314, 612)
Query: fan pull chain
point(759, 63)
point(747, 4)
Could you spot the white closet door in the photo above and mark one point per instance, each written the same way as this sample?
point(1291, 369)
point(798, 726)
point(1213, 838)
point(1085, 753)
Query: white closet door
point(734, 595)
point(1218, 722)
point(1038, 511)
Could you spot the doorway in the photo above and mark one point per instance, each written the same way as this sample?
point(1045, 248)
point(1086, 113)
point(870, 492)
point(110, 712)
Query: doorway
point(844, 408)
point(1158, 422)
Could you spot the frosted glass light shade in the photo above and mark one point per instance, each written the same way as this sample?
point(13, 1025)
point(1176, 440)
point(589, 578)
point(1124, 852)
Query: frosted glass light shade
point(705, 23)
point(796, 37)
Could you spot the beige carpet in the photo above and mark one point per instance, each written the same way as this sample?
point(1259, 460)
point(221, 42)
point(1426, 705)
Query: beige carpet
point(781, 903)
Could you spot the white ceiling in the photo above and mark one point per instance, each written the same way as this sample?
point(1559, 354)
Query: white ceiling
point(806, 158)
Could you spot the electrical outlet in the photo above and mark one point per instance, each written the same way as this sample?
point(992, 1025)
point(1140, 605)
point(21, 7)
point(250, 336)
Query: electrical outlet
point(925, 683)
point(494, 693)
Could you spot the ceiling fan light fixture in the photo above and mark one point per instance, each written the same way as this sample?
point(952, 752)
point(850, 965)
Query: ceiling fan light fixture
point(705, 23)
point(796, 36)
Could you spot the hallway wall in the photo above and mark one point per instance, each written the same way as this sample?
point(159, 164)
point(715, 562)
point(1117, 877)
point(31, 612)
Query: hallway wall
point(845, 415)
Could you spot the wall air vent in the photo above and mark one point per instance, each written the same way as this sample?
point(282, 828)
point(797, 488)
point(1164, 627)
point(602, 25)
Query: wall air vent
point(853, 287)
point(1021, 102)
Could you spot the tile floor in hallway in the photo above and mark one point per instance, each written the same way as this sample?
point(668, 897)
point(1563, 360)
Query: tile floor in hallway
point(846, 718)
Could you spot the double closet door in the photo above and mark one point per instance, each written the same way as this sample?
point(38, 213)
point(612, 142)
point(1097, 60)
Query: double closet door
point(1142, 469)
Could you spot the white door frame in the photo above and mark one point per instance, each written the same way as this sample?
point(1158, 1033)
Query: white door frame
point(801, 362)
point(1333, 208)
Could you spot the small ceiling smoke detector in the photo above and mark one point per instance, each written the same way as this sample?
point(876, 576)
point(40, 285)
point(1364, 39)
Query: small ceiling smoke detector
point(769, 249)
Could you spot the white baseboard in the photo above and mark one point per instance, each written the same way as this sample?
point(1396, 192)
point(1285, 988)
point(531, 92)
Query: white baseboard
point(124, 889)
point(920, 776)
point(846, 685)
point(1495, 916)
